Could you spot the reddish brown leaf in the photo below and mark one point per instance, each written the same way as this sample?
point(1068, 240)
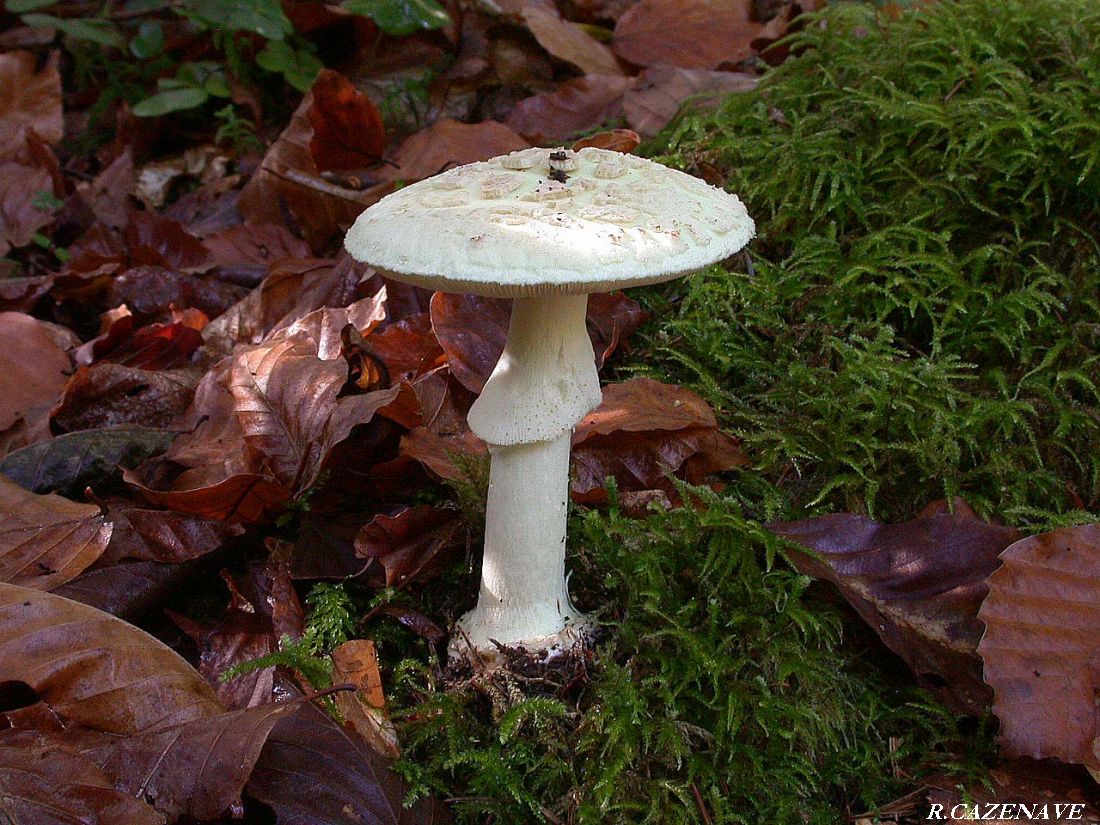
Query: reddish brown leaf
point(448, 143)
point(128, 590)
point(113, 395)
point(408, 347)
point(48, 783)
point(153, 292)
point(164, 536)
point(435, 451)
point(471, 329)
point(155, 347)
point(616, 140)
point(45, 540)
point(94, 669)
point(411, 543)
point(108, 195)
point(662, 91)
point(444, 402)
point(576, 105)
point(348, 781)
point(414, 620)
point(195, 769)
point(34, 369)
point(918, 584)
point(158, 241)
point(693, 34)
point(21, 216)
point(245, 498)
point(347, 126)
point(1041, 617)
point(30, 99)
point(356, 663)
point(567, 41)
point(248, 251)
point(612, 318)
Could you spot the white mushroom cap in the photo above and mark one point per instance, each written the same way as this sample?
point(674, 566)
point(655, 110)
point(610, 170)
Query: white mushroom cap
point(538, 221)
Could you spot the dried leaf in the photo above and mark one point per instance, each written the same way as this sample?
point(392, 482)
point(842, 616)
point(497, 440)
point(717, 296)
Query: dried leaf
point(616, 140)
point(576, 105)
point(47, 540)
point(164, 536)
point(411, 544)
point(155, 240)
point(71, 462)
point(21, 212)
point(128, 590)
point(448, 143)
point(108, 195)
point(1041, 617)
point(113, 395)
point(566, 40)
point(356, 663)
point(918, 584)
point(471, 329)
point(692, 34)
point(435, 451)
point(96, 670)
point(247, 252)
point(662, 91)
point(30, 99)
point(34, 369)
point(408, 348)
point(245, 498)
point(45, 782)
point(347, 127)
point(347, 780)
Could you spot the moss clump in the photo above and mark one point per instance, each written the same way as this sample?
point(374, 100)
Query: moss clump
point(923, 317)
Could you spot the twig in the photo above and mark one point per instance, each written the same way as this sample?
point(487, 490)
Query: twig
point(702, 805)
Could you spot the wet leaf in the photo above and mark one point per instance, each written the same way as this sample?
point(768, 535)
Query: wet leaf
point(918, 584)
point(576, 105)
point(47, 540)
point(69, 463)
point(128, 590)
point(348, 781)
point(94, 669)
point(411, 544)
point(692, 34)
point(1041, 617)
point(45, 782)
point(662, 91)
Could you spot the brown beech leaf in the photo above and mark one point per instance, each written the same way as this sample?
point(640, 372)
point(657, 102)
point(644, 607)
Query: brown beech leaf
point(46, 782)
point(347, 127)
point(448, 143)
point(159, 241)
point(576, 105)
point(248, 251)
point(196, 768)
point(114, 395)
point(128, 590)
point(435, 451)
point(30, 99)
point(154, 347)
point(411, 544)
point(356, 663)
point(662, 91)
point(408, 347)
point(346, 780)
point(693, 34)
point(471, 329)
point(243, 498)
point(164, 536)
point(612, 318)
point(643, 430)
point(152, 293)
point(21, 214)
point(47, 540)
point(615, 140)
point(96, 670)
point(566, 40)
point(289, 184)
point(34, 369)
point(1041, 617)
point(918, 584)
point(108, 194)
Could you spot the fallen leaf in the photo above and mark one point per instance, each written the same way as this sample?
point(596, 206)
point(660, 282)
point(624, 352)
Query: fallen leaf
point(448, 143)
point(96, 670)
point(164, 536)
point(1041, 618)
point(408, 347)
point(196, 768)
point(21, 212)
point(153, 293)
point(108, 194)
point(34, 369)
point(435, 451)
point(128, 590)
point(612, 318)
point(112, 395)
point(566, 40)
point(347, 127)
point(30, 99)
point(249, 251)
point(245, 498)
point(692, 34)
point(576, 105)
point(615, 140)
point(348, 781)
point(662, 91)
point(356, 663)
point(45, 782)
point(47, 540)
point(472, 330)
point(410, 545)
point(154, 240)
point(69, 463)
point(918, 584)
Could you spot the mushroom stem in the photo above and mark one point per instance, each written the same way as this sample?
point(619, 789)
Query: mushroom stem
point(544, 383)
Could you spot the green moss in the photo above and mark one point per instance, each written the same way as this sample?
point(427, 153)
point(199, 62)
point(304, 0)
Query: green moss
point(919, 318)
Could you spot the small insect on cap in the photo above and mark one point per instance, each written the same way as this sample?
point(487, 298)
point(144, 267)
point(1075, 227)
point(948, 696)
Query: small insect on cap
point(540, 221)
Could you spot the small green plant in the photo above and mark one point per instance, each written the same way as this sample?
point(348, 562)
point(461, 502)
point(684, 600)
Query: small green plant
point(236, 131)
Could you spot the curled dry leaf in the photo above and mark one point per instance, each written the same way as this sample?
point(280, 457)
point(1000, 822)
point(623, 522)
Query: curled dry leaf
point(46, 782)
point(448, 143)
point(662, 91)
point(47, 540)
point(356, 663)
point(347, 780)
point(96, 670)
point(644, 430)
point(1042, 617)
point(576, 105)
point(918, 584)
point(566, 40)
point(411, 544)
point(692, 34)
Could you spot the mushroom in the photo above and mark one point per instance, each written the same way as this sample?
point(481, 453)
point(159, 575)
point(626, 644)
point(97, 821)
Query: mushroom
point(546, 228)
